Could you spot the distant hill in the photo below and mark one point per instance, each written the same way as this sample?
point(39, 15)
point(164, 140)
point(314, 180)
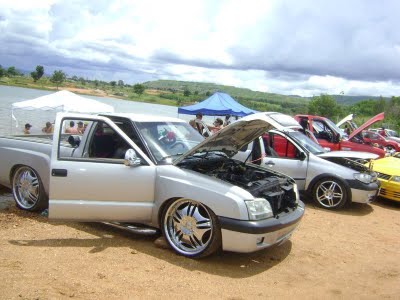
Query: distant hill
point(349, 100)
point(257, 100)
point(204, 87)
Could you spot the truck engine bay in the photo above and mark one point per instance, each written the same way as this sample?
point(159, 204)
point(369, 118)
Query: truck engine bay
point(278, 190)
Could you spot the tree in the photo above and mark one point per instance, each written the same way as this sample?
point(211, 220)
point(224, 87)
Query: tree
point(113, 83)
point(138, 89)
point(36, 75)
point(208, 93)
point(58, 77)
point(120, 83)
point(11, 71)
point(186, 93)
point(323, 105)
point(2, 71)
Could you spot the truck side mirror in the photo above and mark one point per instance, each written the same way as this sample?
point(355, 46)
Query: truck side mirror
point(131, 158)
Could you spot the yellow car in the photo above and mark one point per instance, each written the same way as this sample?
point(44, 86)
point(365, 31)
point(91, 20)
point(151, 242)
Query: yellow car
point(388, 171)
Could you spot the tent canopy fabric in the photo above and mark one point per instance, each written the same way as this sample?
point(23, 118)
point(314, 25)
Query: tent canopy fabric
point(219, 104)
point(64, 101)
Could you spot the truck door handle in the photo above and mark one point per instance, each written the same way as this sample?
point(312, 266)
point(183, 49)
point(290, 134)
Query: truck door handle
point(270, 163)
point(59, 172)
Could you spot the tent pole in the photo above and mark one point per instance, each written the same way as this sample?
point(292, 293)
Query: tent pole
point(11, 125)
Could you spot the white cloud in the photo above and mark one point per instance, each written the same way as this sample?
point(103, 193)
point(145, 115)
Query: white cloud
point(281, 46)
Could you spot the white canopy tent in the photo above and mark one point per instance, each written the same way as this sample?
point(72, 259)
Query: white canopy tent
point(62, 101)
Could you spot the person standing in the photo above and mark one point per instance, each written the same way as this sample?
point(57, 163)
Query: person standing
point(48, 128)
point(71, 128)
point(198, 123)
point(80, 128)
point(217, 125)
point(27, 128)
point(227, 120)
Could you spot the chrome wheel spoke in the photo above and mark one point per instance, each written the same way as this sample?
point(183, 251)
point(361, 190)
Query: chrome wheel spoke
point(26, 187)
point(188, 226)
point(323, 188)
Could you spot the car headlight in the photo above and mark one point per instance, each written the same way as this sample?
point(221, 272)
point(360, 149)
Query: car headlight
point(395, 178)
point(259, 209)
point(363, 177)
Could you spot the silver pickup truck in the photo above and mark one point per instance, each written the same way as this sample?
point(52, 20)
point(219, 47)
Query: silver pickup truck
point(156, 171)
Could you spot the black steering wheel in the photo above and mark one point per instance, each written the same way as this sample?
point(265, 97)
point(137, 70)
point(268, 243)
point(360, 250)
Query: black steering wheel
point(178, 144)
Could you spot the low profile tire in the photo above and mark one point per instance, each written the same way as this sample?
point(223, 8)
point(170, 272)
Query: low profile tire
point(191, 228)
point(28, 191)
point(390, 147)
point(330, 193)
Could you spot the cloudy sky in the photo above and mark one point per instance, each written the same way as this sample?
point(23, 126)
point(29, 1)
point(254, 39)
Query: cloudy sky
point(302, 47)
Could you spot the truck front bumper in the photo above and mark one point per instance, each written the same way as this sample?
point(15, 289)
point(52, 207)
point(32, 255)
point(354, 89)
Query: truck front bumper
point(249, 236)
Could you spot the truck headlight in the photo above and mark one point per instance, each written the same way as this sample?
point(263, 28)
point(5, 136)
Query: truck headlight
point(296, 191)
point(395, 178)
point(363, 177)
point(259, 209)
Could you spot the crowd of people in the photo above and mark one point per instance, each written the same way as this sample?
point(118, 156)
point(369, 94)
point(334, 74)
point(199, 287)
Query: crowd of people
point(49, 128)
point(207, 130)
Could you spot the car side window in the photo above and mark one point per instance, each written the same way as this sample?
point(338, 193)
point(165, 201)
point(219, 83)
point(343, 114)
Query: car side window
point(284, 148)
point(101, 143)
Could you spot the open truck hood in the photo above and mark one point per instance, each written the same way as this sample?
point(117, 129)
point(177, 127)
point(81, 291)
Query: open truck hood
point(344, 120)
point(378, 117)
point(238, 134)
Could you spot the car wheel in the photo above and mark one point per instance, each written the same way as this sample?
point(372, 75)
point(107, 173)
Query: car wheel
point(330, 193)
point(191, 228)
point(390, 148)
point(28, 191)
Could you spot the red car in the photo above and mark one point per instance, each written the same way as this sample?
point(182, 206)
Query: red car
point(330, 136)
point(376, 138)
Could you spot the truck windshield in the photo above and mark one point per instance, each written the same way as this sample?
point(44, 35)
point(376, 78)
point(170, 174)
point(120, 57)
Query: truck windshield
point(307, 143)
point(167, 140)
point(334, 127)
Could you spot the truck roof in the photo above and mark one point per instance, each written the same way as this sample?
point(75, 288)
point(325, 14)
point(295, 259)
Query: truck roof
point(143, 117)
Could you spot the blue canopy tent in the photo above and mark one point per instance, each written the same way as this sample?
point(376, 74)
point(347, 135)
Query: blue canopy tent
point(219, 104)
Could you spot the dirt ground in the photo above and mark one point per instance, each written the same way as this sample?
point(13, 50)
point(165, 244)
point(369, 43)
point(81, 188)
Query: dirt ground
point(353, 253)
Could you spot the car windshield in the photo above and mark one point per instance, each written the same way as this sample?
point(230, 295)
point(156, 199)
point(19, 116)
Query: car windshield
point(306, 142)
point(334, 127)
point(392, 133)
point(167, 140)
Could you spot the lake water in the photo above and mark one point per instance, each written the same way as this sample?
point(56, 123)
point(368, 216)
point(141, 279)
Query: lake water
point(9, 95)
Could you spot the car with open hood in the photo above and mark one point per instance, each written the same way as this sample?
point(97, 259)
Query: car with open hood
point(159, 172)
point(332, 178)
point(387, 141)
point(331, 137)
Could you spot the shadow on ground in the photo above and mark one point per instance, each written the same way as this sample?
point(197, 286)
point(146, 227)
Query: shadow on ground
point(386, 203)
point(235, 265)
point(352, 209)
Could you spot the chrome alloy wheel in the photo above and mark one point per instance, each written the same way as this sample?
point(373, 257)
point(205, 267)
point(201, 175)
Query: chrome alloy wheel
point(188, 227)
point(329, 194)
point(26, 188)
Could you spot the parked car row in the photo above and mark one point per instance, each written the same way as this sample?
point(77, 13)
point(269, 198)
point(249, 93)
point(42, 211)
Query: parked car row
point(237, 190)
